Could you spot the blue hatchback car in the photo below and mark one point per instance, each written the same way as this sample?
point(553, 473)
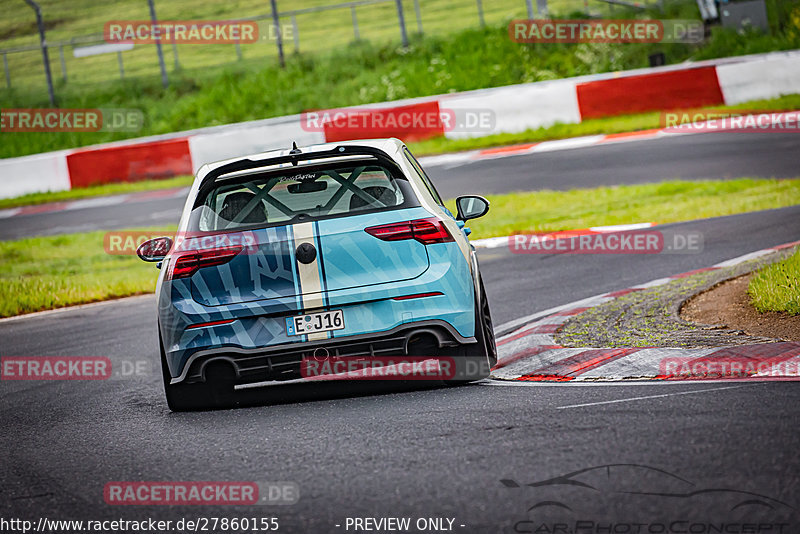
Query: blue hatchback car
point(334, 250)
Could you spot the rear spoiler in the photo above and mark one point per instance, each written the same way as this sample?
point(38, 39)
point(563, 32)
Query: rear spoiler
point(294, 157)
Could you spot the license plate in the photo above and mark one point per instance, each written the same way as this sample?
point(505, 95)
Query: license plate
point(315, 322)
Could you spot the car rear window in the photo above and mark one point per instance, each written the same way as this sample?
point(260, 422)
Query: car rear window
point(295, 194)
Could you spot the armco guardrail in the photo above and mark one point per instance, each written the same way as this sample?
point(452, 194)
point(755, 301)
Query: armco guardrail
point(513, 108)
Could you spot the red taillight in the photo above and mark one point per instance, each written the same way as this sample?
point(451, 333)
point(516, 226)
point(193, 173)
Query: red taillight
point(188, 264)
point(418, 295)
point(426, 231)
point(212, 323)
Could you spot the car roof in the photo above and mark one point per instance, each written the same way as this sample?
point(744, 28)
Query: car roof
point(390, 146)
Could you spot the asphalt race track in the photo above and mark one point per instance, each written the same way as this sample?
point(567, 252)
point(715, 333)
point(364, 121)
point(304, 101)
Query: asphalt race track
point(431, 452)
point(690, 157)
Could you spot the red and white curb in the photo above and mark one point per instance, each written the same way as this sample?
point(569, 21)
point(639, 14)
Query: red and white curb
point(472, 156)
point(528, 352)
point(442, 160)
point(514, 108)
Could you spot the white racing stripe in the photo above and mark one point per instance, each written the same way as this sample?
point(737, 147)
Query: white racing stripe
point(310, 281)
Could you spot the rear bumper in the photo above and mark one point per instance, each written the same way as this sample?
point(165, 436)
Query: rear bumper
point(372, 312)
point(283, 362)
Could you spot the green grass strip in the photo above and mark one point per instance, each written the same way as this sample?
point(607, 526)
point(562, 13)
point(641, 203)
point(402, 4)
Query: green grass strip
point(439, 145)
point(664, 202)
point(50, 272)
point(776, 287)
point(96, 191)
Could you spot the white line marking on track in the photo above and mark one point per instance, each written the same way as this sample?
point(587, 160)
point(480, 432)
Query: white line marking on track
point(97, 202)
point(649, 397)
point(744, 258)
point(522, 321)
point(565, 144)
point(510, 326)
point(9, 212)
point(34, 315)
point(609, 383)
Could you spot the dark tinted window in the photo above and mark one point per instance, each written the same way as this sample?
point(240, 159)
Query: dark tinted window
point(424, 177)
point(307, 193)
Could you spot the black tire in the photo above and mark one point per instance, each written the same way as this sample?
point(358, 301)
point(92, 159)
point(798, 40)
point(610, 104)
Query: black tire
point(198, 396)
point(479, 359)
point(487, 331)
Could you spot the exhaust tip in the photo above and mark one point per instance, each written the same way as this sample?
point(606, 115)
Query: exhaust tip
point(321, 354)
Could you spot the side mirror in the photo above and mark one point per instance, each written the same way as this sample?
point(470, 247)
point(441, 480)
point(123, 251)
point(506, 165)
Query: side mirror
point(471, 207)
point(155, 249)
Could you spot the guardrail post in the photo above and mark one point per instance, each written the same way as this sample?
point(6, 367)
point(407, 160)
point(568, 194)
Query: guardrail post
point(154, 20)
point(355, 22)
point(63, 63)
point(295, 35)
point(402, 19)
point(121, 67)
point(541, 7)
point(8, 74)
point(45, 56)
point(175, 55)
point(480, 13)
point(276, 24)
point(529, 5)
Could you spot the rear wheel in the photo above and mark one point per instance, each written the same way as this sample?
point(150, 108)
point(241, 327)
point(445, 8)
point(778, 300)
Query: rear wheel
point(487, 329)
point(216, 392)
point(480, 357)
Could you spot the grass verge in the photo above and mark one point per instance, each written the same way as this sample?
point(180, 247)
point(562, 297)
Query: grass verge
point(43, 273)
point(371, 71)
point(96, 191)
point(608, 125)
point(664, 202)
point(51, 272)
point(441, 145)
point(776, 287)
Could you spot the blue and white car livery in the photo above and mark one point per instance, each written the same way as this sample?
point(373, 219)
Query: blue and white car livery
point(341, 249)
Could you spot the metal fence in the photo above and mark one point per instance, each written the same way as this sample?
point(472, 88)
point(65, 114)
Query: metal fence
point(313, 27)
